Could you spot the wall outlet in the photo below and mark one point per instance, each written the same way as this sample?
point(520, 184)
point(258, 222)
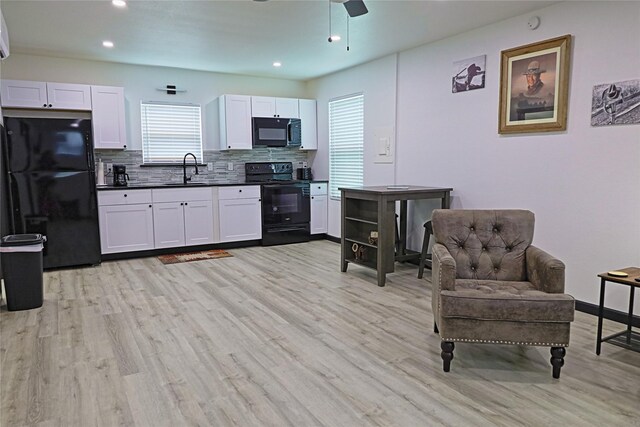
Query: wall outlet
point(229, 166)
point(108, 167)
point(210, 166)
point(304, 164)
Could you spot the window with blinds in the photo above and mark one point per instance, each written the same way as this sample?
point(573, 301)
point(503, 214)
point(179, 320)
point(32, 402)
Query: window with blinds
point(346, 143)
point(169, 131)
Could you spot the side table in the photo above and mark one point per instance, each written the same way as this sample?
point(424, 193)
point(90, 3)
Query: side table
point(628, 338)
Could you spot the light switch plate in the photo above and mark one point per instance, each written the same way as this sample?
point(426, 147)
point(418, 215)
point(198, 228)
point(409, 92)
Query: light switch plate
point(210, 166)
point(229, 166)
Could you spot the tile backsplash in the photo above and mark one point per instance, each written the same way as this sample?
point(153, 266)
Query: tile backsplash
point(132, 159)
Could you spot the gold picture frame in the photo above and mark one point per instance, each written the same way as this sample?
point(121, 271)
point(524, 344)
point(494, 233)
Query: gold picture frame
point(534, 87)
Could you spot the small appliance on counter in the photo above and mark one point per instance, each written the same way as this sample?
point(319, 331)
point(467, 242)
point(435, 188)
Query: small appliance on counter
point(304, 174)
point(120, 176)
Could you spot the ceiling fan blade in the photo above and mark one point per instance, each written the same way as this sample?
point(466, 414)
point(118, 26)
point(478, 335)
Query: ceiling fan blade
point(355, 8)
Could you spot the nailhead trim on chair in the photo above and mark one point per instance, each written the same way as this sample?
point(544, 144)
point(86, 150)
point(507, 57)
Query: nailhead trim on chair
point(507, 342)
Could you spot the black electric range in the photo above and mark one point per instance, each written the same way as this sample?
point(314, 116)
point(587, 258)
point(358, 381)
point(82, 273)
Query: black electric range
point(285, 202)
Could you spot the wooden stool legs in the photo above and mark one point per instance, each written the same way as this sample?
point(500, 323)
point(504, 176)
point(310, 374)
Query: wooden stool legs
point(425, 259)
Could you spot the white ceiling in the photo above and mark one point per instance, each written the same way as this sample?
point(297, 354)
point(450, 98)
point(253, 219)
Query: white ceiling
point(243, 36)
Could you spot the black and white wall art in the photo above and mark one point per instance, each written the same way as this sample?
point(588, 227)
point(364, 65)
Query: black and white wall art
point(616, 103)
point(468, 74)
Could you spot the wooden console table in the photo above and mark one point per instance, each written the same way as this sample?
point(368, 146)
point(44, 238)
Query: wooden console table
point(627, 338)
point(367, 209)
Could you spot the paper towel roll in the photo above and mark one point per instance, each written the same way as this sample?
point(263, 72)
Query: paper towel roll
point(100, 173)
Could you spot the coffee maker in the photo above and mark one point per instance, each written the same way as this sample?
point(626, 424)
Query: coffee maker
point(120, 176)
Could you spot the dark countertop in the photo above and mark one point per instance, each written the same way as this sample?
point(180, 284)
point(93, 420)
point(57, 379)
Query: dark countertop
point(152, 185)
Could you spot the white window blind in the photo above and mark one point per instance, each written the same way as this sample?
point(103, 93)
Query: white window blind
point(346, 143)
point(169, 131)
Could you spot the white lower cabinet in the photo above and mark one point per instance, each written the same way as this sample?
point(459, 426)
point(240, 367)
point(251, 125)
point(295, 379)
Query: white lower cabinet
point(168, 224)
point(240, 212)
point(182, 217)
point(126, 221)
point(319, 208)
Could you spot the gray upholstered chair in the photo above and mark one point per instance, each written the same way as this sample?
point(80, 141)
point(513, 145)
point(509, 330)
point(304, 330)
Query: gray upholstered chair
point(490, 285)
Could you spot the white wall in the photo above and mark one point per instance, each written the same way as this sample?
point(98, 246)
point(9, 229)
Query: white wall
point(140, 84)
point(377, 80)
point(582, 184)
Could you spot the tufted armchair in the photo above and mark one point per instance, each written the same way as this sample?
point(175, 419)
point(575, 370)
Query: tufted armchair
point(491, 286)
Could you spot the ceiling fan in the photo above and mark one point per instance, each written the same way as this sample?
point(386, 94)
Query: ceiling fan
point(354, 7)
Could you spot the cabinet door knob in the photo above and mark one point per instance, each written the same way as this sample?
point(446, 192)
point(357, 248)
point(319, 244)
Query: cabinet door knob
point(181, 204)
point(50, 105)
point(125, 195)
point(312, 197)
point(240, 191)
point(185, 203)
point(149, 205)
point(124, 146)
point(259, 200)
point(44, 105)
point(229, 146)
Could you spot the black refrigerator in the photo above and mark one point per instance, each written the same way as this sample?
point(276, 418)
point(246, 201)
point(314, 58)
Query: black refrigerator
point(51, 184)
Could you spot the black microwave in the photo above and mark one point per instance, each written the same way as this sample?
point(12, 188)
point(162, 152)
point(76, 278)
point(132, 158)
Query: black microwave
point(276, 132)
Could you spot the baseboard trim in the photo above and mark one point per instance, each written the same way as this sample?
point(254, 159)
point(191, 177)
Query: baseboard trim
point(609, 313)
point(333, 239)
point(180, 249)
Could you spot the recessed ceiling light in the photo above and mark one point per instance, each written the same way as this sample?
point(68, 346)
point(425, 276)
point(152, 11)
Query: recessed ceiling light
point(107, 43)
point(119, 3)
point(277, 64)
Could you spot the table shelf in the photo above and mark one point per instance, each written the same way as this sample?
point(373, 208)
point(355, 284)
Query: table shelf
point(625, 339)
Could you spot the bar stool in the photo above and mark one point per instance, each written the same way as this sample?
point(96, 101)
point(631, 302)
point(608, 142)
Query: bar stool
point(425, 259)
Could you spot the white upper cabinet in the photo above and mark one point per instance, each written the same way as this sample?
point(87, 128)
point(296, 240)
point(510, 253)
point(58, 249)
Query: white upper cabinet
point(308, 121)
point(108, 118)
point(265, 106)
point(235, 122)
point(61, 96)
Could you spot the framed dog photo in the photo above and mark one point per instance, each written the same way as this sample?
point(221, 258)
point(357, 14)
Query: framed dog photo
point(534, 85)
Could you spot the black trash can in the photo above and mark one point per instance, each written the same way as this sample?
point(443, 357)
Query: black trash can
point(22, 270)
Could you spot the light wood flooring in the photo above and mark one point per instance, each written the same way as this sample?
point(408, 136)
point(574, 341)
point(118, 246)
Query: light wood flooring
point(277, 336)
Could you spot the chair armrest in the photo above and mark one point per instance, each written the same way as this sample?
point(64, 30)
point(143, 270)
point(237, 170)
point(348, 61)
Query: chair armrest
point(544, 271)
point(443, 268)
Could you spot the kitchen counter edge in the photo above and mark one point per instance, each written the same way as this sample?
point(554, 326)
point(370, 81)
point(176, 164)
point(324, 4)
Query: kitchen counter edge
point(146, 186)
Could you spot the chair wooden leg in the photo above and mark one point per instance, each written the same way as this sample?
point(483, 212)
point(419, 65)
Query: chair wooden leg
point(447, 354)
point(557, 360)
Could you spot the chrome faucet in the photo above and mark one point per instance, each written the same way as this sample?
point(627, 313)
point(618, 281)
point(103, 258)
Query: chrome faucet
point(184, 167)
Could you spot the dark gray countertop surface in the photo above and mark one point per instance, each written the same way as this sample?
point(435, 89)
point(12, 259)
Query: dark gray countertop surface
point(197, 184)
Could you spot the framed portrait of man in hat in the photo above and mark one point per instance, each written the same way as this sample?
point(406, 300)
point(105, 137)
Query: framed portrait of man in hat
point(534, 83)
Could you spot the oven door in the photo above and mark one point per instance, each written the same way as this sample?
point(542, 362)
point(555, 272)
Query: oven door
point(284, 204)
point(270, 132)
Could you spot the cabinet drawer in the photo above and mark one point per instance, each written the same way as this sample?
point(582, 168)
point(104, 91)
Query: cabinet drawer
point(123, 197)
point(318, 188)
point(182, 195)
point(239, 192)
